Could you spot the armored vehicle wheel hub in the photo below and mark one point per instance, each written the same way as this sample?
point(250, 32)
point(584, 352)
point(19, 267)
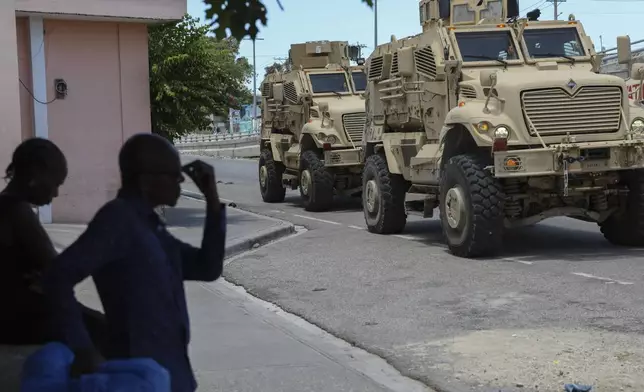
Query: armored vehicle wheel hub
point(305, 181)
point(455, 207)
point(263, 176)
point(372, 196)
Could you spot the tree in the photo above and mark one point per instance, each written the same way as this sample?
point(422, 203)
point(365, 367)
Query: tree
point(240, 16)
point(276, 67)
point(193, 76)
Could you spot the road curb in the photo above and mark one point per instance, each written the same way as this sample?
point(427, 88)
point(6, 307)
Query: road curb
point(260, 238)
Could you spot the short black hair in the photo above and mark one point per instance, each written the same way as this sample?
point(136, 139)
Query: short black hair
point(136, 151)
point(35, 154)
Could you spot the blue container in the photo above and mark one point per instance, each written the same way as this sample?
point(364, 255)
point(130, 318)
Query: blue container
point(47, 370)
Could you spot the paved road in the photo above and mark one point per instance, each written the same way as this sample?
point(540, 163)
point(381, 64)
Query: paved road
point(561, 305)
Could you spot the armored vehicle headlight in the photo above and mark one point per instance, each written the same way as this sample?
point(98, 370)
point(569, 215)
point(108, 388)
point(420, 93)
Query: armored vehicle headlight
point(331, 139)
point(637, 126)
point(484, 126)
point(501, 132)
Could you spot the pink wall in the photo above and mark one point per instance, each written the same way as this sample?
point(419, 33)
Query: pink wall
point(138, 9)
point(24, 71)
point(105, 65)
point(10, 128)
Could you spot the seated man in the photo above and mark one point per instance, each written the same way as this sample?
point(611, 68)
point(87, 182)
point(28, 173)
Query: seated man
point(138, 266)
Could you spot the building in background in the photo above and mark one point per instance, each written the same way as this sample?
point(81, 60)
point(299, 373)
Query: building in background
point(76, 72)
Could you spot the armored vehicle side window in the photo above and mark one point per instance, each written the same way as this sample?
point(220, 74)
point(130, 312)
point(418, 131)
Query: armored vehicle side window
point(328, 83)
point(553, 42)
point(486, 46)
point(359, 80)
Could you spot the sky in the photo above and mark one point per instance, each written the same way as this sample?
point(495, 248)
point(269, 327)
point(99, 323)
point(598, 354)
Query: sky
point(353, 21)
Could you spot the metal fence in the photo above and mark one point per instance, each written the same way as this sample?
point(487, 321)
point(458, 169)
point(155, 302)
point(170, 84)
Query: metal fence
point(215, 137)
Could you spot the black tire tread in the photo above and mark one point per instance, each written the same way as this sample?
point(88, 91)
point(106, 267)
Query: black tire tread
point(322, 192)
point(275, 190)
point(393, 188)
point(627, 229)
point(488, 201)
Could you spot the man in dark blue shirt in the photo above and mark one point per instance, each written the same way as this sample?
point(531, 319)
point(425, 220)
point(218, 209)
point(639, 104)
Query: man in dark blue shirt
point(138, 266)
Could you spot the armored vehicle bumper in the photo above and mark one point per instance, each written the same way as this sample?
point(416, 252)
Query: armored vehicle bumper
point(574, 158)
point(343, 157)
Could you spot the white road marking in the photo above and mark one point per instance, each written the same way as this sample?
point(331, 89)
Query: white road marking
point(356, 227)
point(607, 280)
point(318, 219)
point(406, 237)
point(513, 260)
point(277, 211)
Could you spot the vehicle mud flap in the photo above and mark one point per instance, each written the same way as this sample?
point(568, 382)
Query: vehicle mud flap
point(471, 208)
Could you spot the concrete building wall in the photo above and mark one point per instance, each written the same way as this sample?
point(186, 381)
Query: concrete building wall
point(105, 66)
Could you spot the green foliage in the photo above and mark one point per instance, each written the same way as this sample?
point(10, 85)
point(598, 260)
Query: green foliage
point(276, 67)
point(192, 76)
point(240, 17)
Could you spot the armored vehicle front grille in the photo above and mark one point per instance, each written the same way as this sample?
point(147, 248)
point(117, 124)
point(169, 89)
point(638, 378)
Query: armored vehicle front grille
point(354, 125)
point(554, 111)
point(290, 92)
point(425, 61)
point(375, 68)
point(266, 90)
point(394, 65)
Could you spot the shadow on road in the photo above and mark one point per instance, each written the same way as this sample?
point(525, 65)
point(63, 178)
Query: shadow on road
point(540, 242)
point(340, 204)
point(194, 217)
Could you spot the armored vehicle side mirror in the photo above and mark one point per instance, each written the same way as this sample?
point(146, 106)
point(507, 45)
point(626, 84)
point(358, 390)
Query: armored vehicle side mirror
point(624, 49)
point(278, 92)
point(637, 71)
point(487, 77)
point(323, 106)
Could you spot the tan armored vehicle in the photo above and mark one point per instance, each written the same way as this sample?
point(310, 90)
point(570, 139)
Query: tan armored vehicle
point(499, 122)
point(623, 67)
point(312, 124)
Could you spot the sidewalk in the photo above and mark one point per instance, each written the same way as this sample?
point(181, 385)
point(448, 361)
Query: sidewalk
point(242, 344)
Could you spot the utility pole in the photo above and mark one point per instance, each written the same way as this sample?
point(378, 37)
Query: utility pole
point(555, 3)
point(254, 80)
point(375, 24)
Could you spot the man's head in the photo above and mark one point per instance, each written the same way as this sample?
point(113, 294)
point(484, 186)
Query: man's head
point(151, 167)
point(37, 169)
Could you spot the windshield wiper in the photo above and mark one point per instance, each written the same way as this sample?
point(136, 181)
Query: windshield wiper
point(484, 57)
point(572, 59)
point(336, 93)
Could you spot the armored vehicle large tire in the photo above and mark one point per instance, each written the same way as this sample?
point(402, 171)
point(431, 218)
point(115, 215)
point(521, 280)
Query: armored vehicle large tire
point(626, 228)
point(316, 183)
point(270, 178)
point(471, 208)
point(383, 197)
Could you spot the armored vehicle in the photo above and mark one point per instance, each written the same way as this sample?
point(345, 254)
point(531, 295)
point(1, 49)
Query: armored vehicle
point(500, 122)
point(312, 123)
point(611, 65)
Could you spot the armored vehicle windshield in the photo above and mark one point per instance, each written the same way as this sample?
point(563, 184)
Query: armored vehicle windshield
point(336, 82)
point(553, 42)
point(325, 83)
point(359, 81)
point(476, 46)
